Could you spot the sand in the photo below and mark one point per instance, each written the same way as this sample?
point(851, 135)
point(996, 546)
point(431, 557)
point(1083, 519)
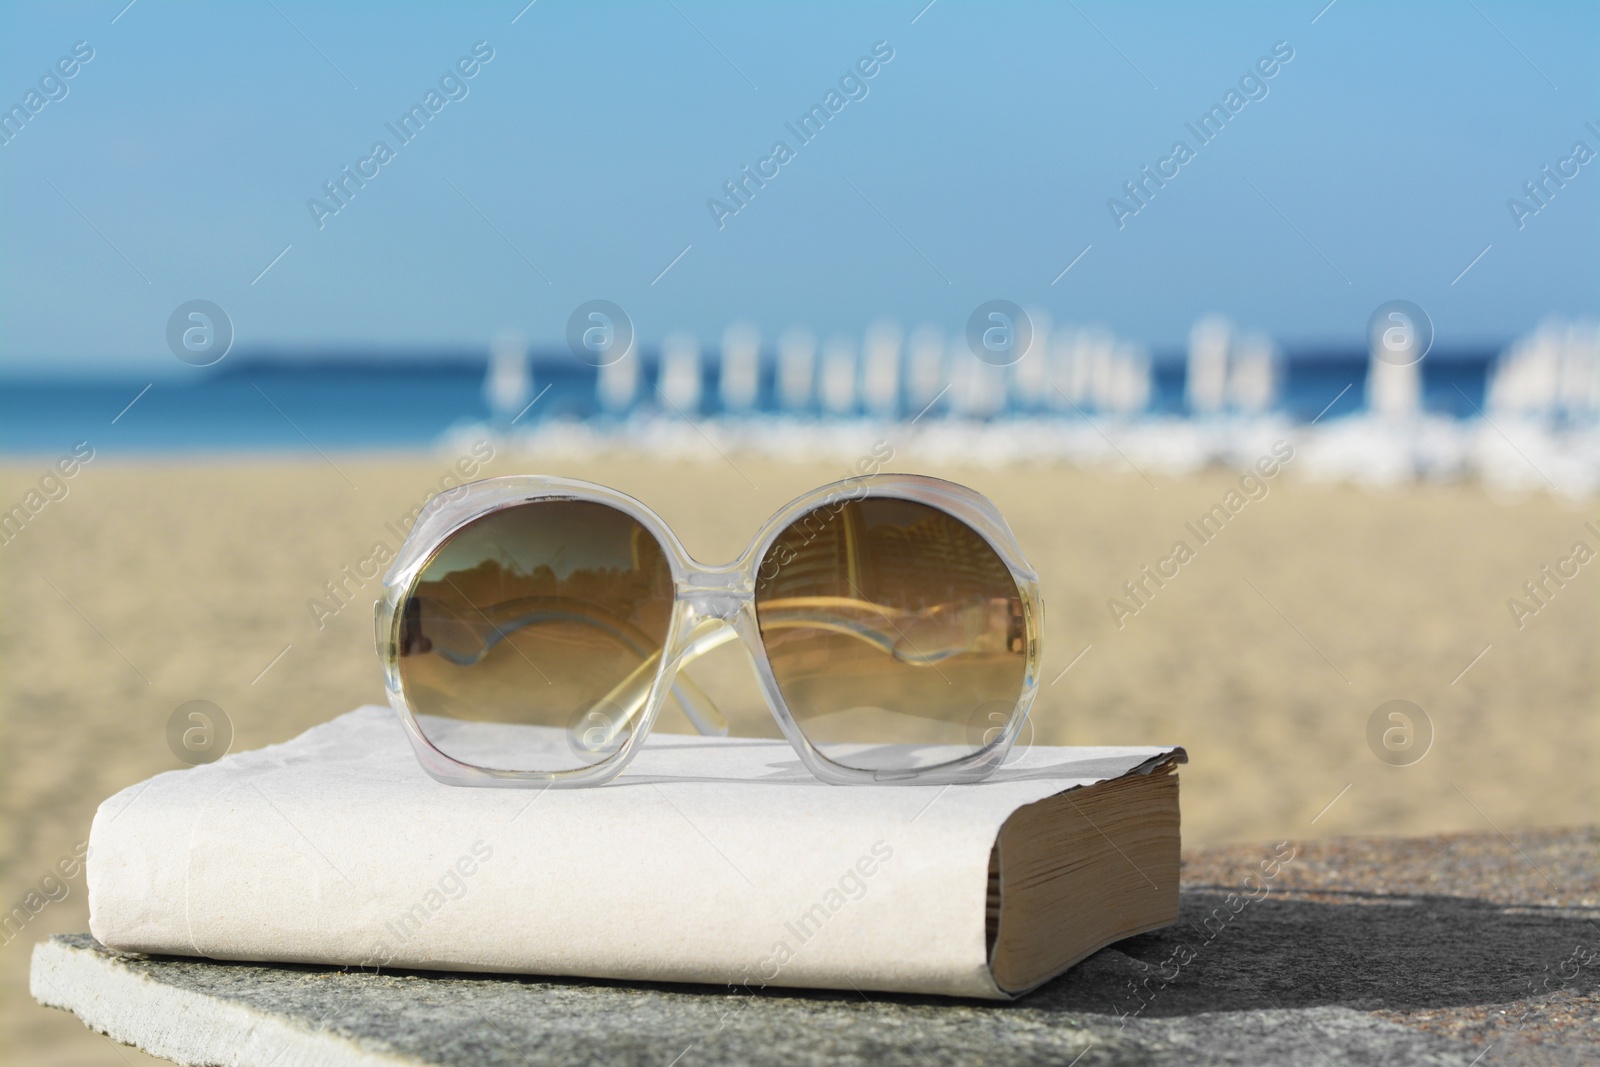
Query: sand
point(157, 582)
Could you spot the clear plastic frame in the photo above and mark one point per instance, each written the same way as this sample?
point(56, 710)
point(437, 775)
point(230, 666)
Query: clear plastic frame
point(712, 605)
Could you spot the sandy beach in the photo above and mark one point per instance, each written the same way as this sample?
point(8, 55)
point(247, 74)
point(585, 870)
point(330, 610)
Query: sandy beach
point(1265, 653)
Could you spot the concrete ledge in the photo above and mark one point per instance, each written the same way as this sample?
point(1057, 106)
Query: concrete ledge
point(182, 1021)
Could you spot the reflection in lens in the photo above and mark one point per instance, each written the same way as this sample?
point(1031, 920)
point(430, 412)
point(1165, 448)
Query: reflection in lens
point(890, 626)
point(532, 616)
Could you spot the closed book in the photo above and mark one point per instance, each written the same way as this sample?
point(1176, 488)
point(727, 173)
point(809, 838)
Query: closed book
point(712, 860)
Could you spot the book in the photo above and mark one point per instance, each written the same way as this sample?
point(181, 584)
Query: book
point(710, 860)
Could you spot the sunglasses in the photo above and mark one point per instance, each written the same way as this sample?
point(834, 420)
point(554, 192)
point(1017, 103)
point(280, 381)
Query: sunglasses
point(531, 629)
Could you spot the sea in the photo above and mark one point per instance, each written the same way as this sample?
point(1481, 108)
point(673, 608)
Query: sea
point(270, 402)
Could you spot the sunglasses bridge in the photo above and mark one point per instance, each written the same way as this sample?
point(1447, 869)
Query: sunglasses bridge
point(715, 593)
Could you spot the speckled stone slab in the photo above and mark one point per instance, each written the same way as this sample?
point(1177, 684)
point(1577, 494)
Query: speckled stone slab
point(1471, 949)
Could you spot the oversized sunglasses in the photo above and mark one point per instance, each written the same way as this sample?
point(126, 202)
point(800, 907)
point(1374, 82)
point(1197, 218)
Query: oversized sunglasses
point(531, 628)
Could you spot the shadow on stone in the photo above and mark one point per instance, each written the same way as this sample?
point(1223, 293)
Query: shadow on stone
point(1364, 951)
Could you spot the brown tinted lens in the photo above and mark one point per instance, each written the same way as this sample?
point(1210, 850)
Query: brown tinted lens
point(535, 616)
point(894, 631)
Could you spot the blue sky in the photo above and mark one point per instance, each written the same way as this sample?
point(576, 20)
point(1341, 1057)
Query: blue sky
point(977, 166)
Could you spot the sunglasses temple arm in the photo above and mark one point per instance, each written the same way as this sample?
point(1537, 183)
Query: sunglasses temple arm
point(699, 708)
point(707, 635)
point(630, 696)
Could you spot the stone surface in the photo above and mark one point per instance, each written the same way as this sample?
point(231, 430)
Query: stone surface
point(1455, 950)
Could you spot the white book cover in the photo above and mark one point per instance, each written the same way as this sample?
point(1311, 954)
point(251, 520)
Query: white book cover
point(715, 860)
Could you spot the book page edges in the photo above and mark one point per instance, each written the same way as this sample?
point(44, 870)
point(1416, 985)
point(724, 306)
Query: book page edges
point(1163, 764)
